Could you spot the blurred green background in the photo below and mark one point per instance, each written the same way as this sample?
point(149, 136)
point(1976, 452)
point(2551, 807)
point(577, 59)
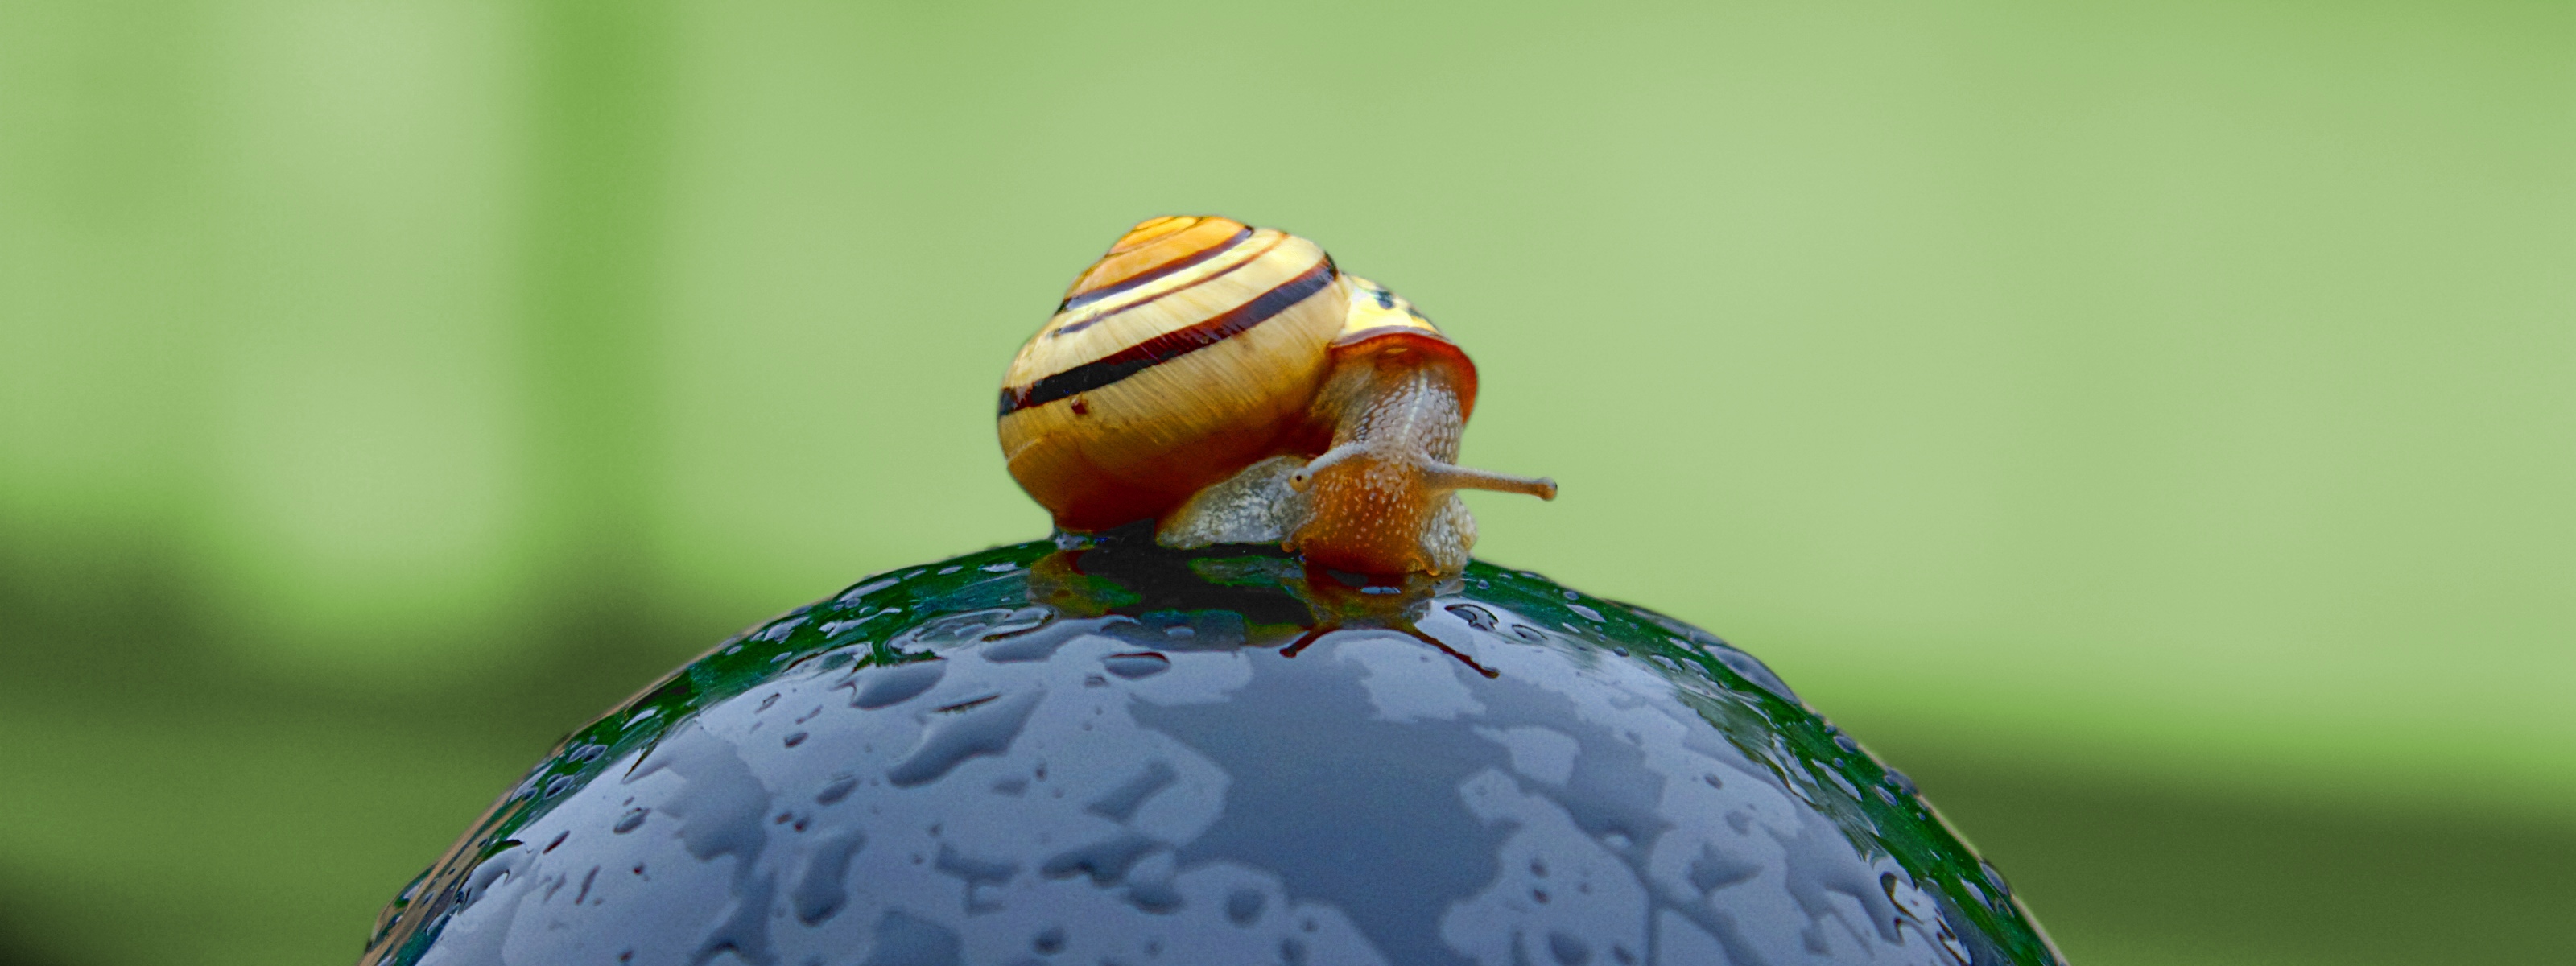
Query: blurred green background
point(2148, 423)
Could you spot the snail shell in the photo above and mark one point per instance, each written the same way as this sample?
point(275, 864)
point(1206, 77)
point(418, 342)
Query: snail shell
point(1232, 385)
point(1182, 356)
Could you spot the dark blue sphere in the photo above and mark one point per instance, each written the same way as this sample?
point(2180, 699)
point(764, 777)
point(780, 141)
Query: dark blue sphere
point(1118, 754)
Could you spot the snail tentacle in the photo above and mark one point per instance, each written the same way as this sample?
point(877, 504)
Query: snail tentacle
point(1305, 475)
point(1444, 476)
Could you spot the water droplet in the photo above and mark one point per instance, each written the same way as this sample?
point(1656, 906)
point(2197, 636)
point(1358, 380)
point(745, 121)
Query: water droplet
point(490, 872)
point(839, 789)
point(778, 630)
point(1158, 898)
point(833, 629)
point(1105, 861)
point(1243, 907)
point(894, 685)
point(1139, 664)
point(630, 821)
point(1020, 621)
point(1753, 672)
point(1901, 781)
point(866, 588)
point(1712, 870)
point(1567, 949)
point(966, 705)
point(1849, 789)
point(795, 739)
point(1039, 644)
point(975, 873)
point(1475, 616)
point(1588, 613)
point(905, 941)
point(1120, 803)
point(745, 933)
point(987, 730)
point(1048, 941)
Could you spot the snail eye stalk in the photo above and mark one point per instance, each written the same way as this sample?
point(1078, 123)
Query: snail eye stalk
point(1305, 476)
point(1443, 476)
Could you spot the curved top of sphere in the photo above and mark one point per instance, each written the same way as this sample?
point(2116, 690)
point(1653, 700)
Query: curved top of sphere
point(1115, 753)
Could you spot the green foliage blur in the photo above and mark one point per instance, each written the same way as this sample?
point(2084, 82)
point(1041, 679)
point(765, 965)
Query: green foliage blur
point(2149, 423)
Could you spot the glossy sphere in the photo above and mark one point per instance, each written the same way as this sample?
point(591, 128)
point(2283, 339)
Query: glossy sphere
point(1122, 754)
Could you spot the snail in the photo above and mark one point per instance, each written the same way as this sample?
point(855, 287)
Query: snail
point(1232, 385)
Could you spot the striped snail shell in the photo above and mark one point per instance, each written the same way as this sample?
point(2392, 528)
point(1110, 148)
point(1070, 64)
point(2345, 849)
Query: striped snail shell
point(1182, 356)
point(1232, 385)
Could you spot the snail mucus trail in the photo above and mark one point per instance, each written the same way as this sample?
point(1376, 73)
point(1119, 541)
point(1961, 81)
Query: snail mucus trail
point(1232, 385)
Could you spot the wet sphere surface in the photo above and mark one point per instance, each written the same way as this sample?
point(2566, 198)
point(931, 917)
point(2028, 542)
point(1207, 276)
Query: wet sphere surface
point(1124, 755)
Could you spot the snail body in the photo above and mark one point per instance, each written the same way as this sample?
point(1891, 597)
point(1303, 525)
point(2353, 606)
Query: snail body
point(1232, 385)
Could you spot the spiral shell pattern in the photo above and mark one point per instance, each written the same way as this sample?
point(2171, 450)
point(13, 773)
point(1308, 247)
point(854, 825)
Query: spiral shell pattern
point(1189, 351)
